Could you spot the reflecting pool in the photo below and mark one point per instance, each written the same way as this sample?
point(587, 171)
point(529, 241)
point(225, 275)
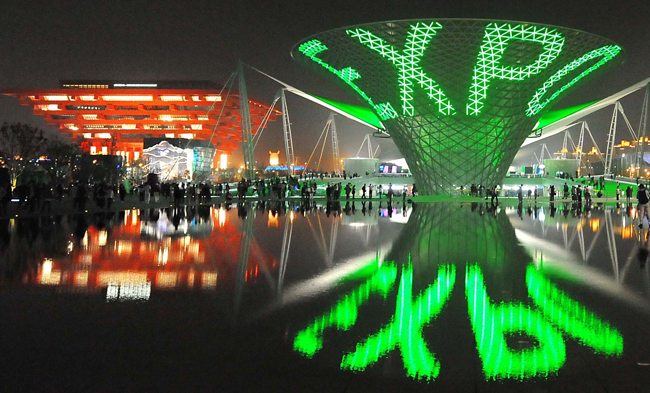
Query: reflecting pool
point(348, 297)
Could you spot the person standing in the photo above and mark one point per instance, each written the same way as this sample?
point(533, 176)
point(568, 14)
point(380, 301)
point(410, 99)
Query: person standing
point(551, 193)
point(628, 193)
point(363, 192)
point(520, 194)
point(122, 192)
point(494, 195)
point(370, 191)
point(643, 198)
point(109, 198)
point(147, 193)
point(354, 191)
point(618, 191)
point(566, 191)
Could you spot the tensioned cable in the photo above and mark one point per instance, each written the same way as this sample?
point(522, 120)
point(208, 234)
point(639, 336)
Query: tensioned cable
point(324, 132)
point(261, 128)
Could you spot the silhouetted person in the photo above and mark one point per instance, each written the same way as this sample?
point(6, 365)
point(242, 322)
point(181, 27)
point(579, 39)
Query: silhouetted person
point(551, 193)
point(494, 195)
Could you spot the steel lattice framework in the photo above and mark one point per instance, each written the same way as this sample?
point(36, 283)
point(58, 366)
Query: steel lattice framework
point(458, 96)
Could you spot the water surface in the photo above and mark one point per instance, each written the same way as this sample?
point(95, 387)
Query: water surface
point(265, 297)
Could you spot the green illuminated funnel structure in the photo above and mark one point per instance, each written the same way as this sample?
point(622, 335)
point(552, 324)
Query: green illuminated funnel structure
point(458, 96)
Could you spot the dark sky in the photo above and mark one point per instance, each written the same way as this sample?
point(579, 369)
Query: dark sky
point(44, 41)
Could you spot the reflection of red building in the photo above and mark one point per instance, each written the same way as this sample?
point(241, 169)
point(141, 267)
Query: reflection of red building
point(109, 117)
point(123, 258)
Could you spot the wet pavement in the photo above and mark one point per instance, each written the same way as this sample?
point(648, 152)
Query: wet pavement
point(275, 297)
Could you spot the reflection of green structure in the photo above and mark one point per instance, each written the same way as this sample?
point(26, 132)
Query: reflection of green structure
point(493, 323)
point(458, 96)
point(571, 316)
point(440, 240)
point(344, 314)
point(405, 329)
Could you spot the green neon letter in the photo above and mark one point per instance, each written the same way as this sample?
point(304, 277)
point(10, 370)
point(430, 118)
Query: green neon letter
point(607, 53)
point(408, 64)
point(495, 42)
point(344, 314)
point(572, 317)
point(405, 328)
point(492, 323)
point(312, 48)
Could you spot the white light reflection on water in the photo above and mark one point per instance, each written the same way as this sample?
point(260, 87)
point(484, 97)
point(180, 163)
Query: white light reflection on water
point(570, 243)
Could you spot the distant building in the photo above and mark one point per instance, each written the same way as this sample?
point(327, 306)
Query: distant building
point(114, 117)
point(623, 160)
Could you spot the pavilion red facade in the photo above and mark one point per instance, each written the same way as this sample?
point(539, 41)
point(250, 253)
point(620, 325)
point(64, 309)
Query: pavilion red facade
point(108, 117)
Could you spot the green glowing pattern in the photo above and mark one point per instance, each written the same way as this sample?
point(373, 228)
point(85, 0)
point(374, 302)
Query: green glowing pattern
point(557, 115)
point(607, 53)
point(360, 112)
point(492, 323)
point(408, 64)
point(405, 328)
point(344, 314)
point(314, 47)
point(459, 88)
point(494, 44)
point(571, 316)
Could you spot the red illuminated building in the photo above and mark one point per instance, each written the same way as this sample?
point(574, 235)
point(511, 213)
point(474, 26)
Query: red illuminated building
point(112, 117)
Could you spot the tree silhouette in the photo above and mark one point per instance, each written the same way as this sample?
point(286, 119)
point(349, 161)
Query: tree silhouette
point(20, 145)
point(61, 159)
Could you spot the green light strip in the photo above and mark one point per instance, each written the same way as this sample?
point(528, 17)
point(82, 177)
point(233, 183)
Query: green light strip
point(408, 64)
point(495, 42)
point(344, 314)
point(491, 324)
point(572, 317)
point(405, 328)
point(313, 47)
point(608, 52)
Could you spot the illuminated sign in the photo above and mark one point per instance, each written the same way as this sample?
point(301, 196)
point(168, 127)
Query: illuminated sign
point(555, 313)
point(389, 168)
point(408, 64)
point(488, 66)
point(458, 96)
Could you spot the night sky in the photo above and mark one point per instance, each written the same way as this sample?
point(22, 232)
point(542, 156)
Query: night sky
point(44, 41)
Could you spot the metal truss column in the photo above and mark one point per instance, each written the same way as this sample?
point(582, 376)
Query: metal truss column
point(611, 136)
point(288, 140)
point(581, 141)
point(242, 261)
point(335, 143)
point(286, 247)
point(564, 144)
point(246, 128)
point(643, 127)
point(611, 243)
